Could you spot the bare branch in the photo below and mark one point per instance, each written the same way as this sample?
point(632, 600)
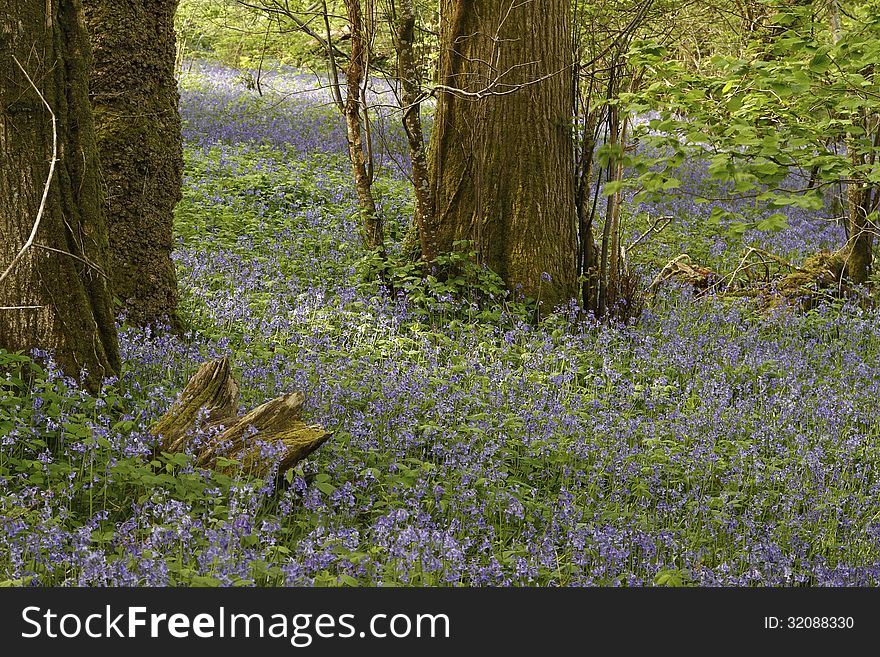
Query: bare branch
point(33, 234)
point(491, 88)
point(92, 265)
point(656, 227)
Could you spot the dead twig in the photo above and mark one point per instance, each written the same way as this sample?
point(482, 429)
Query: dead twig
point(659, 224)
point(749, 252)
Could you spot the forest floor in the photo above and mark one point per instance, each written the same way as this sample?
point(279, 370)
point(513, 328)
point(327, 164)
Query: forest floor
point(709, 442)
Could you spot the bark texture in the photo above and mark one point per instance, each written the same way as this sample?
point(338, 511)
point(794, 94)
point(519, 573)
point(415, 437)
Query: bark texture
point(135, 101)
point(410, 100)
point(361, 164)
point(501, 153)
point(63, 275)
point(861, 233)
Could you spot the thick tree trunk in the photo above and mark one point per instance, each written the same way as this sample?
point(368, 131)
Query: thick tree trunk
point(135, 101)
point(59, 289)
point(501, 152)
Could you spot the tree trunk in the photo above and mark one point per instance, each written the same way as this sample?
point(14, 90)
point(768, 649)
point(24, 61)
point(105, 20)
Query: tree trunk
point(604, 275)
point(585, 204)
point(615, 264)
point(59, 288)
point(501, 152)
point(410, 100)
point(354, 107)
point(135, 102)
point(861, 235)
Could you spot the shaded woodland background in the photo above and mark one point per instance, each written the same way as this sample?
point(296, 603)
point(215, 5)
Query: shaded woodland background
point(569, 294)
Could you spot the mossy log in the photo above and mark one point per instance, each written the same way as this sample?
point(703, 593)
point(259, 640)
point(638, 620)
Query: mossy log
point(822, 270)
point(205, 422)
point(770, 279)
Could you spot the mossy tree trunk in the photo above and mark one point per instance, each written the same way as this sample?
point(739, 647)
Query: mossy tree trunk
point(861, 233)
point(501, 153)
point(135, 101)
point(355, 110)
point(57, 297)
point(410, 101)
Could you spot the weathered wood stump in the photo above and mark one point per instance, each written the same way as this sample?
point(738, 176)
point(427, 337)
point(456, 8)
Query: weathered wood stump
point(205, 421)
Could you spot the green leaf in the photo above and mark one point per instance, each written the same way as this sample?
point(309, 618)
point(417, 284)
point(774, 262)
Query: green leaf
point(775, 222)
point(348, 580)
point(203, 581)
point(324, 487)
point(737, 229)
point(668, 578)
point(612, 187)
point(821, 63)
point(719, 215)
point(22, 581)
point(698, 138)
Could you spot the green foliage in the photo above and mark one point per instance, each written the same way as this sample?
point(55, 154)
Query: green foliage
point(455, 286)
point(632, 454)
point(807, 101)
point(244, 35)
point(81, 461)
point(239, 36)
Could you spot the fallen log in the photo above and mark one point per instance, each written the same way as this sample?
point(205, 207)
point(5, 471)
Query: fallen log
point(204, 421)
point(770, 279)
point(681, 269)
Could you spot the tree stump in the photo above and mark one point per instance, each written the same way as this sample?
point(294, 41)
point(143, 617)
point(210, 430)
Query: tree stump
point(205, 422)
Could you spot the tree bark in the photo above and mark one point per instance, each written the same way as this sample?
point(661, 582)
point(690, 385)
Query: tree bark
point(135, 102)
point(354, 107)
point(410, 98)
point(585, 204)
point(501, 153)
point(59, 289)
point(861, 234)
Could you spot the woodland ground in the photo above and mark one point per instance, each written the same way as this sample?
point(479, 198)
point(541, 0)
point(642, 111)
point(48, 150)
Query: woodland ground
point(708, 442)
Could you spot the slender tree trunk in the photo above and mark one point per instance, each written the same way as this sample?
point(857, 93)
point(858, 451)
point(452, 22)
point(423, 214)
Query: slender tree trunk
point(425, 213)
point(861, 234)
point(860, 243)
point(501, 152)
point(357, 70)
point(615, 264)
point(135, 102)
point(62, 278)
point(604, 275)
point(585, 203)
